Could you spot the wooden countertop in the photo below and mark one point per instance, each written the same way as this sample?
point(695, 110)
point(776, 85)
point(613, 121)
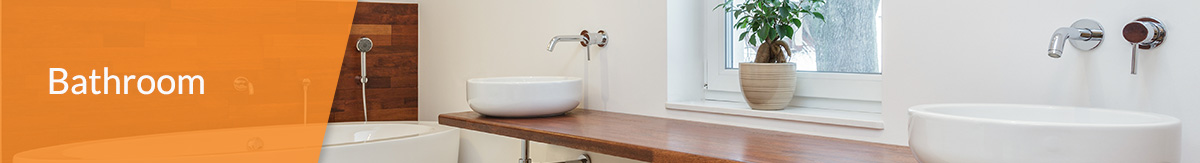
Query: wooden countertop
point(654, 139)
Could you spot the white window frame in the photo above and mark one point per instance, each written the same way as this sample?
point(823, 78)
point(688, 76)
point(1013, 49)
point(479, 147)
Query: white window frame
point(848, 99)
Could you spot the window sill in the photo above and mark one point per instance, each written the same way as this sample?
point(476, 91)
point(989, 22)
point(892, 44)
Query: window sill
point(812, 115)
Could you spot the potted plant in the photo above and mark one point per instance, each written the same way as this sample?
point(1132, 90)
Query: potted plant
point(769, 82)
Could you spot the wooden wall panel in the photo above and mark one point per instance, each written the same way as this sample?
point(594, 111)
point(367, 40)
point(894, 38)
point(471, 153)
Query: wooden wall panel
point(391, 65)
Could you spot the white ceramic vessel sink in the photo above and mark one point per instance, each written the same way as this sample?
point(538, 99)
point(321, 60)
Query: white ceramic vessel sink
point(984, 133)
point(527, 96)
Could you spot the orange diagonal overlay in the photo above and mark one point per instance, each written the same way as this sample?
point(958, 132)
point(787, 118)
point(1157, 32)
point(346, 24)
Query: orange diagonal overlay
point(168, 80)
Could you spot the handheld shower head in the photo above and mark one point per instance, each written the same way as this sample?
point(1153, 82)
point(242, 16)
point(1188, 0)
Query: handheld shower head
point(364, 44)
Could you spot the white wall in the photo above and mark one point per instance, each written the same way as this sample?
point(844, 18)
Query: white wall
point(934, 51)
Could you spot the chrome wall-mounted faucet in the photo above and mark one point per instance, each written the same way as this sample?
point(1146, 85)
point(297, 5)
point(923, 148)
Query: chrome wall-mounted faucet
point(1143, 33)
point(585, 38)
point(1084, 34)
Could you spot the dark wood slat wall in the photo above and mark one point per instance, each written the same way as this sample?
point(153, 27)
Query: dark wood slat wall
point(391, 65)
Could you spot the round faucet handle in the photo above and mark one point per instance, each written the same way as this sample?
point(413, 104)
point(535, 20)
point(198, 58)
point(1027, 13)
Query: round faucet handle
point(1136, 32)
point(585, 35)
point(1145, 33)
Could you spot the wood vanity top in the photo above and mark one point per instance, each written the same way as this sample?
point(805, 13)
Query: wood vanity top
point(654, 139)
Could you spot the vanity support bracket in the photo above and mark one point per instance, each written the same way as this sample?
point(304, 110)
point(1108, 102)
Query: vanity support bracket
point(583, 158)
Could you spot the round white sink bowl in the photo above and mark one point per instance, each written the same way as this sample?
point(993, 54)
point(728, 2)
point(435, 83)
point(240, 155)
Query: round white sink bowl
point(525, 96)
point(985, 133)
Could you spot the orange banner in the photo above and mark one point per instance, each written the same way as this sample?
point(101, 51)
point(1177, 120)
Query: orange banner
point(168, 80)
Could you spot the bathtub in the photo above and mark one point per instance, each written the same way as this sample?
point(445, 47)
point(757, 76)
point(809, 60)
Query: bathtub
point(400, 141)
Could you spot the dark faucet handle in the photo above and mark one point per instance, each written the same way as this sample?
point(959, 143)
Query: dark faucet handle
point(1135, 32)
point(1145, 33)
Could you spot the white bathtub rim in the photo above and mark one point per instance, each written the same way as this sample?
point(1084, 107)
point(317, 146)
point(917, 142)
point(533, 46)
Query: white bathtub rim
point(57, 150)
point(54, 152)
point(436, 129)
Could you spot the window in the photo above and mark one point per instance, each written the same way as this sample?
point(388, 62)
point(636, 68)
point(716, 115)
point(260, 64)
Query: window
point(838, 62)
point(839, 79)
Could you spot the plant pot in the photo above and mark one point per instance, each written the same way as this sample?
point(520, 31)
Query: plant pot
point(768, 86)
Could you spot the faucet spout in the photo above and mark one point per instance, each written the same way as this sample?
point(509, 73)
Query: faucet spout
point(554, 41)
point(1075, 35)
point(1059, 39)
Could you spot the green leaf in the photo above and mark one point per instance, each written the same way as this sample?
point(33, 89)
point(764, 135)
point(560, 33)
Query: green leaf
point(788, 31)
point(770, 35)
point(763, 34)
point(761, 5)
point(777, 33)
point(743, 37)
point(818, 16)
point(753, 40)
